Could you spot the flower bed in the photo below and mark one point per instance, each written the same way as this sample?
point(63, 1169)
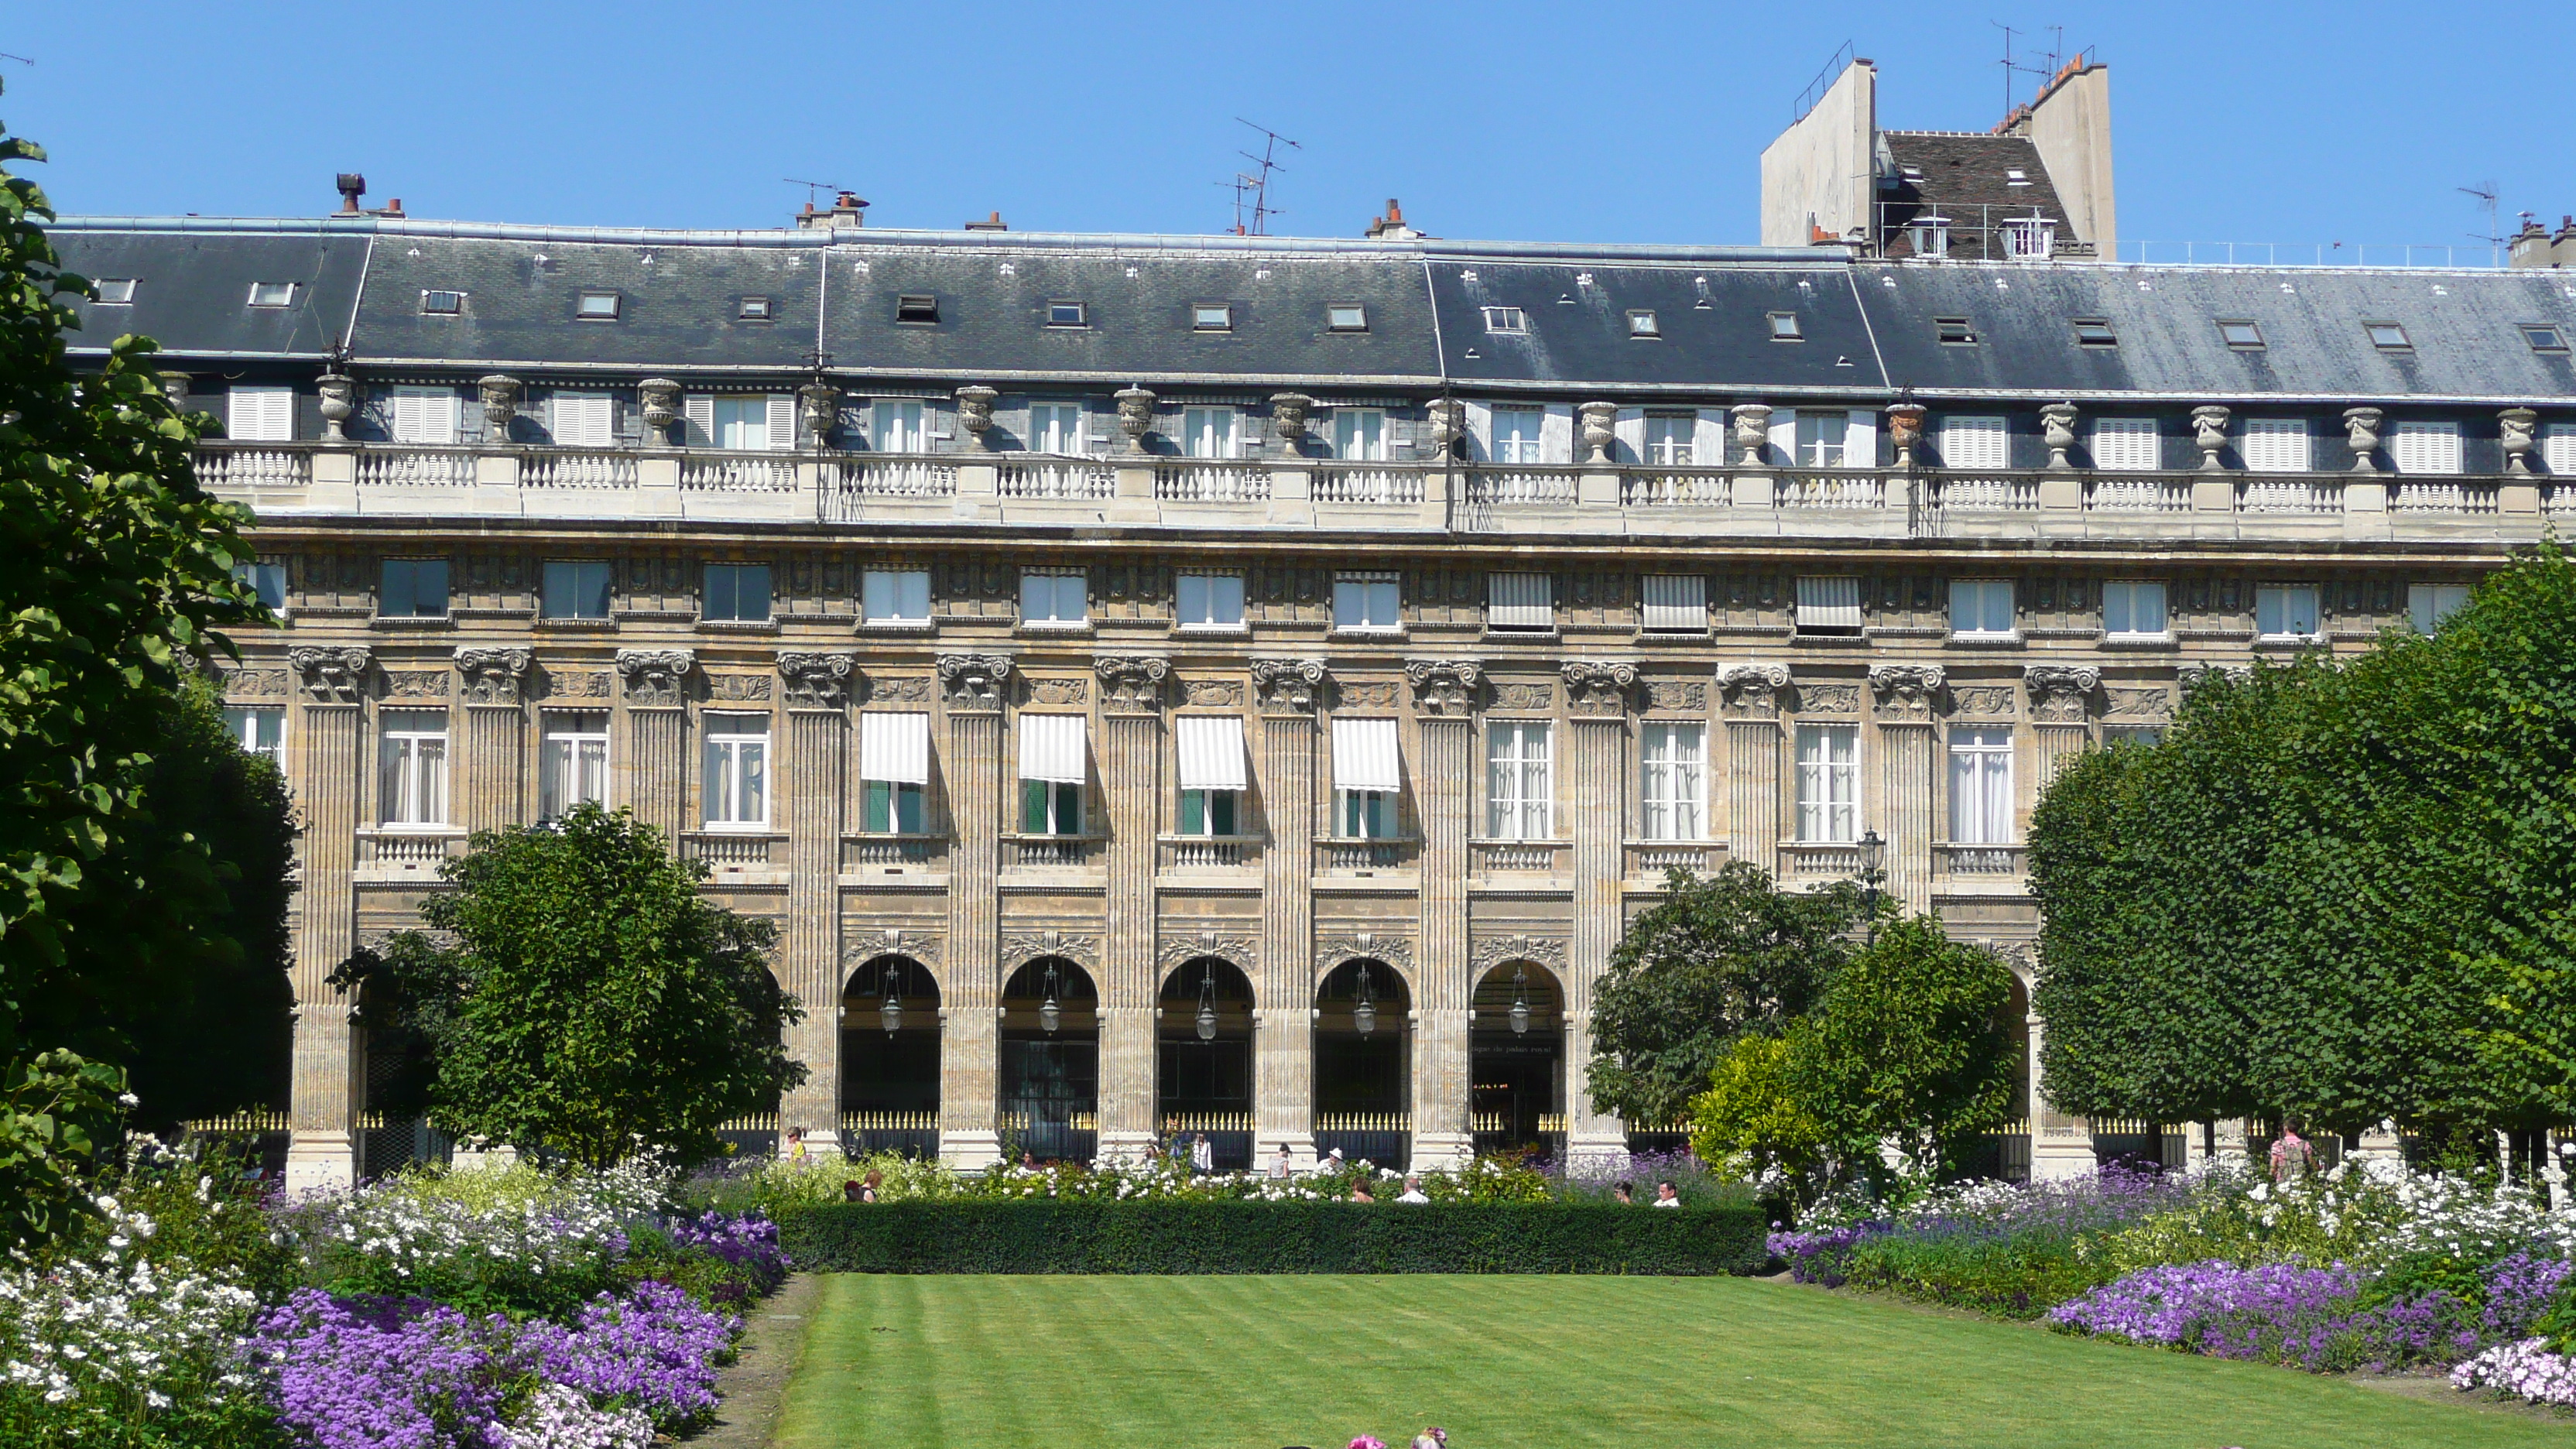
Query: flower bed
point(512, 1309)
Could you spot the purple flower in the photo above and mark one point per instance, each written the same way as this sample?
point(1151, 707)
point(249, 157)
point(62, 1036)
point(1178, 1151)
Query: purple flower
point(382, 1374)
point(655, 1350)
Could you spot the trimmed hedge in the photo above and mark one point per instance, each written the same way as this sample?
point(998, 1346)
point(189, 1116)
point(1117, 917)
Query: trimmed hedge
point(1271, 1237)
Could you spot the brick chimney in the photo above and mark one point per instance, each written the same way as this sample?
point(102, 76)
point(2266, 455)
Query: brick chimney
point(847, 211)
point(1391, 227)
point(990, 223)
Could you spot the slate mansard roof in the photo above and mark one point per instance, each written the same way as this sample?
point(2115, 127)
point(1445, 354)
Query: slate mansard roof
point(1865, 329)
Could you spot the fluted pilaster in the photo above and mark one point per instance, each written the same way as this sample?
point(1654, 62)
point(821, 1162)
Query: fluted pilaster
point(1751, 694)
point(973, 686)
point(494, 763)
point(327, 1077)
point(1909, 781)
point(655, 750)
point(1445, 694)
point(1597, 764)
point(816, 690)
point(1283, 1058)
point(1132, 774)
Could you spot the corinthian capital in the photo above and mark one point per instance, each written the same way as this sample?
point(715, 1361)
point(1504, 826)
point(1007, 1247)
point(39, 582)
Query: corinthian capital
point(1752, 691)
point(1287, 686)
point(493, 676)
point(2059, 693)
point(1132, 683)
point(655, 676)
point(334, 675)
point(973, 681)
point(1598, 686)
point(1444, 687)
point(817, 681)
point(1906, 691)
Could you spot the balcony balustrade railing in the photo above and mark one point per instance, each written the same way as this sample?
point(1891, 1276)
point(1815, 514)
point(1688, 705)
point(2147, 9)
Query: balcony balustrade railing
point(1502, 857)
point(1049, 852)
point(869, 1119)
point(1056, 478)
point(2117, 494)
point(1491, 486)
point(1990, 493)
point(864, 851)
point(1816, 859)
point(738, 473)
point(401, 467)
point(1208, 852)
point(1649, 859)
point(1367, 483)
point(1980, 860)
point(890, 476)
point(576, 468)
point(2290, 495)
point(2461, 498)
point(1676, 488)
point(1211, 482)
point(247, 466)
point(728, 849)
point(1831, 490)
point(408, 848)
point(1345, 855)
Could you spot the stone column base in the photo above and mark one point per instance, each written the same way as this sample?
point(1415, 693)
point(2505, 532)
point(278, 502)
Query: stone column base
point(1124, 1146)
point(972, 1150)
point(321, 1162)
point(1603, 1153)
point(1301, 1151)
point(2054, 1159)
point(1450, 1150)
point(496, 1158)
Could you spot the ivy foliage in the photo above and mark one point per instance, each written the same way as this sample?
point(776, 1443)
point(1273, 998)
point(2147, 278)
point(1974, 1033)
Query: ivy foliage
point(116, 571)
point(1720, 957)
point(579, 997)
point(2339, 892)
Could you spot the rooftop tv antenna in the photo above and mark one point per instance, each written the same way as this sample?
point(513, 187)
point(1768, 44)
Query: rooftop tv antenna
point(2486, 193)
point(2045, 69)
point(1257, 183)
point(813, 189)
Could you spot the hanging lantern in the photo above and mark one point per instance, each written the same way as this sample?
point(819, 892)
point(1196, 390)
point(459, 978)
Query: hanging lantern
point(1520, 1001)
point(1207, 1003)
point(1364, 1012)
point(890, 1010)
point(1050, 1016)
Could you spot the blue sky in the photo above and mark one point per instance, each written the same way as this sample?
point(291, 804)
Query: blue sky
point(1607, 122)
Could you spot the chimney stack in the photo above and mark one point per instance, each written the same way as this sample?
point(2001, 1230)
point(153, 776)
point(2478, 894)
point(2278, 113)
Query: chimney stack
point(1391, 227)
point(993, 223)
point(352, 186)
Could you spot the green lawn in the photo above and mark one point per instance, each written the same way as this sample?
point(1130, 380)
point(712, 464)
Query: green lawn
point(1531, 1363)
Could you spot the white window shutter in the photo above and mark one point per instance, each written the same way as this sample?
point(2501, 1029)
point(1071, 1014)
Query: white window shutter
point(260, 415)
point(1860, 439)
point(782, 422)
point(1630, 430)
point(1556, 434)
point(1784, 437)
point(1709, 441)
point(1480, 432)
point(698, 420)
point(411, 416)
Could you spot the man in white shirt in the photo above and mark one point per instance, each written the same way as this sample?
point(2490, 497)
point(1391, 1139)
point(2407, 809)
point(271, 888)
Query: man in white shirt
point(1665, 1196)
point(1413, 1191)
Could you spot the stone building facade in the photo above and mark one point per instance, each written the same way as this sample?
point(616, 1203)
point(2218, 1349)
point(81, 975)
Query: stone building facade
point(1247, 685)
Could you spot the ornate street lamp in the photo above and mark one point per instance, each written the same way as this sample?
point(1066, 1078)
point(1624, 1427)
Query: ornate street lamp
point(1520, 1001)
point(1364, 1012)
point(890, 1010)
point(1207, 1003)
point(1873, 855)
point(1050, 1016)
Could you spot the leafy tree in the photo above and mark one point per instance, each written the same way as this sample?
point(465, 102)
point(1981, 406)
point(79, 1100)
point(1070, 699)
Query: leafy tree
point(1753, 1122)
point(588, 1001)
point(1910, 1047)
point(1718, 958)
point(115, 570)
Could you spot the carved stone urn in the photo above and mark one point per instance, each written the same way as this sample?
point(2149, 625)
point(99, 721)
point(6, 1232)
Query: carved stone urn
point(2516, 428)
point(500, 393)
point(1448, 424)
point(975, 412)
point(339, 404)
point(1288, 412)
point(2209, 433)
point(2361, 429)
point(661, 399)
point(1753, 432)
point(1905, 431)
point(821, 404)
point(2057, 422)
point(1600, 431)
point(1135, 416)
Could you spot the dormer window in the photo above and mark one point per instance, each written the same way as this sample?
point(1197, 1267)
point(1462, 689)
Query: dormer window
point(2240, 333)
point(754, 309)
point(2095, 332)
point(1066, 314)
point(272, 294)
point(2030, 238)
point(597, 307)
point(1784, 327)
point(2016, 178)
point(442, 304)
point(1643, 324)
point(115, 291)
point(2387, 336)
point(1954, 332)
point(916, 309)
point(1212, 317)
point(1346, 317)
point(1505, 320)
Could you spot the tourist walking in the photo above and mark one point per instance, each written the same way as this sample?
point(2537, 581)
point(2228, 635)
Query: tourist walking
point(1360, 1190)
point(1666, 1196)
point(1623, 1194)
point(2291, 1155)
point(796, 1144)
point(1413, 1191)
point(1279, 1166)
point(1202, 1156)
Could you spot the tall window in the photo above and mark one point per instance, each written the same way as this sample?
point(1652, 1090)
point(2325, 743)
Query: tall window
point(2558, 450)
point(1209, 601)
point(1516, 434)
point(2417, 446)
point(1058, 428)
point(266, 581)
point(1366, 777)
point(1366, 602)
point(411, 767)
point(1213, 777)
point(2286, 611)
point(895, 596)
point(1829, 782)
point(751, 423)
point(1054, 598)
point(258, 728)
point(583, 419)
point(2133, 609)
point(260, 415)
point(894, 772)
point(1520, 601)
point(1975, 442)
point(1672, 774)
point(574, 767)
point(1359, 435)
point(1981, 791)
point(1981, 607)
point(1519, 792)
point(1669, 439)
point(2429, 604)
point(1208, 432)
point(1822, 439)
point(2274, 445)
point(412, 588)
point(737, 593)
point(897, 426)
point(424, 415)
point(2124, 444)
point(1828, 604)
point(575, 589)
point(1053, 763)
point(1676, 603)
point(737, 770)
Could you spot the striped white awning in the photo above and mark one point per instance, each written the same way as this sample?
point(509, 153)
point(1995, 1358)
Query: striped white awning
point(895, 748)
point(1364, 755)
point(1211, 752)
point(1828, 602)
point(1520, 601)
point(1051, 748)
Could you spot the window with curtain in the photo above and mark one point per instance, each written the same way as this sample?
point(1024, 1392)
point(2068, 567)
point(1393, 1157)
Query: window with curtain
point(1672, 766)
point(2124, 444)
point(1366, 601)
point(1975, 442)
point(2133, 608)
point(1520, 601)
point(1213, 776)
point(1059, 428)
point(894, 772)
point(411, 760)
point(1359, 435)
point(1054, 760)
point(1676, 603)
point(1208, 432)
point(1829, 782)
point(1821, 438)
point(1208, 601)
point(257, 728)
point(1828, 604)
point(1981, 792)
point(737, 770)
point(895, 596)
point(2427, 605)
point(1981, 606)
point(2274, 445)
point(573, 767)
point(1669, 439)
point(2286, 611)
point(1516, 434)
point(1366, 776)
point(896, 425)
point(1054, 598)
point(1519, 793)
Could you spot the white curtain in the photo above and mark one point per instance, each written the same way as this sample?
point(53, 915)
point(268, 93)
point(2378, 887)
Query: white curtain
point(1981, 790)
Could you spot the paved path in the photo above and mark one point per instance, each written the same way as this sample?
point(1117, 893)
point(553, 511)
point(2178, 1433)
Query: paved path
point(754, 1385)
